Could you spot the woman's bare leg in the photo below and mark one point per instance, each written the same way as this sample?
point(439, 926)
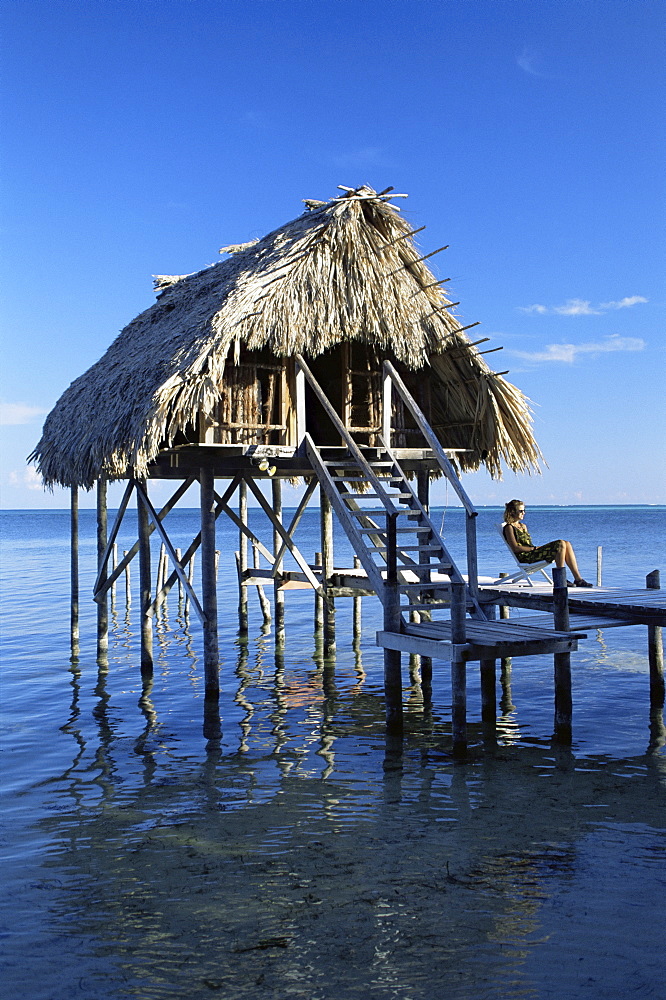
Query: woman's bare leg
point(570, 559)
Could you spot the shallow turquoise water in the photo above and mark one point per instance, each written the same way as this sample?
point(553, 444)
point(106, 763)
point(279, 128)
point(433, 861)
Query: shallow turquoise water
point(297, 853)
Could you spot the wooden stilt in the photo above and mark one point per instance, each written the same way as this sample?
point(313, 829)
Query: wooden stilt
point(423, 492)
point(506, 703)
point(264, 603)
point(208, 583)
point(357, 626)
point(103, 604)
point(318, 601)
point(600, 556)
point(128, 582)
point(327, 571)
point(458, 670)
point(114, 566)
point(488, 686)
point(562, 661)
point(243, 620)
point(278, 594)
point(145, 587)
point(392, 657)
point(74, 567)
point(655, 650)
point(488, 669)
point(179, 556)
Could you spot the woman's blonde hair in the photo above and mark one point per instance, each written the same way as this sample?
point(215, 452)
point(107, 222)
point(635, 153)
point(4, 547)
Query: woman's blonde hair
point(511, 511)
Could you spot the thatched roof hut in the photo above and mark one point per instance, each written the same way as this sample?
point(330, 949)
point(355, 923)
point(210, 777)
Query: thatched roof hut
point(345, 286)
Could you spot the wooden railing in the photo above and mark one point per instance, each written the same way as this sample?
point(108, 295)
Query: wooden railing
point(392, 379)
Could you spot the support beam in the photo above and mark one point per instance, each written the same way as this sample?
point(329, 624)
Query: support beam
point(357, 626)
point(562, 661)
point(209, 583)
point(458, 669)
point(506, 663)
point(74, 572)
point(423, 493)
point(103, 604)
point(278, 594)
point(145, 586)
point(243, 616)
point(655, 650)
point(318, 600)
point(326, 515)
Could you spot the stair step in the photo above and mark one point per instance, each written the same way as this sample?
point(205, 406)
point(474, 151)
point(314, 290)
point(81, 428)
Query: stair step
point(363, 479)
point(423, 568)
point(367, 512)
point(382, 531)
point(408, 548)
point(354, 465)
point(373, 496)
point(406, 588)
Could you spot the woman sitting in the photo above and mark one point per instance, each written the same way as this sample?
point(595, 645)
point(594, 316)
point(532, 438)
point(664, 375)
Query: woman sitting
point(518, 537)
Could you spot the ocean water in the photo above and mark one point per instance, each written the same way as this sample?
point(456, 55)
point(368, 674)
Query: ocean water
point(289, 848)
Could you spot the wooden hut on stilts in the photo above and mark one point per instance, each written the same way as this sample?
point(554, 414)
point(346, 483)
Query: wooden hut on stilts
point(327, 351)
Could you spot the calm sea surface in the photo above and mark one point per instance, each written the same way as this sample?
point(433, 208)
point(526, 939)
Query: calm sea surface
point(295, 852)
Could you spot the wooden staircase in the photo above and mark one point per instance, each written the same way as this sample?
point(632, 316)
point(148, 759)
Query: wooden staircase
point(405, 559)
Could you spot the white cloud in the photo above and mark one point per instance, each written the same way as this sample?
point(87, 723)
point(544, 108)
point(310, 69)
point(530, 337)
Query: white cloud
point(536, 308)
point(531, 62)
point(583, 307)
point(12, 414)
point(569, 352)
point(576, 307)
point(26, 479)
point(625, 303)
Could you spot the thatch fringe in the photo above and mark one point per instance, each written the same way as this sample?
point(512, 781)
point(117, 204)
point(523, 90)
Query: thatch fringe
point(345, 270)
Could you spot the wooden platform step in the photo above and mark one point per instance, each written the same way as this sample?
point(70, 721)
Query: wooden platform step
point(485, 640)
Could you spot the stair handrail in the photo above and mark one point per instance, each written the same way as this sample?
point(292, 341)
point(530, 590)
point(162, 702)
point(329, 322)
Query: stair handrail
point(345, 435)
point(391, 376)
point(442, 458)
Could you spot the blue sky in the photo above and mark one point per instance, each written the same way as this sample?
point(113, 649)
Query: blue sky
point(139, 136)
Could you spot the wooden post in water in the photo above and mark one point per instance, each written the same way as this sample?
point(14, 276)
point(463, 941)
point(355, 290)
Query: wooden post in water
point(103, 603)
point(278, 594)
point(326, 515)
point(506, 703)
point(74, 568)
point(562, 661)
point(318, 601)
point(114, 566)
point(600, 557)
point(208, 583)
point(458, 669)
point(145, 586)
point(356, 609)
point(179, 556)
point(423, 493)
point(655, 650)
point(392, 657)
point(242, 559)
point(128, 583)
point(489, 682)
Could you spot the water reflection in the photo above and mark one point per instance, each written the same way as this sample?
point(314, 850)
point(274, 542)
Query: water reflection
point(412, 876)
point(299, 851)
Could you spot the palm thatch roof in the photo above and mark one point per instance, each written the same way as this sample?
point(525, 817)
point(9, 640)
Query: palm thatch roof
point(344, 270)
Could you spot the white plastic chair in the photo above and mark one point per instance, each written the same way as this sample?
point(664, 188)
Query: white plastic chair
point(525, 570)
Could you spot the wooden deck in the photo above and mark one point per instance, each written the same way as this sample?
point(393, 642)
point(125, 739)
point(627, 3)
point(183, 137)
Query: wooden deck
point(615, 606)
point(485, 640)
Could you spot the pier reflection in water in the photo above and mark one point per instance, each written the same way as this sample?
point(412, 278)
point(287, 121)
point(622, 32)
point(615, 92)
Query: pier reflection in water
point(296, 851)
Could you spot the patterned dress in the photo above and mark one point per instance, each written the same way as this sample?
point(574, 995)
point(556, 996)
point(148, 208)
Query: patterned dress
point(547, 551)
